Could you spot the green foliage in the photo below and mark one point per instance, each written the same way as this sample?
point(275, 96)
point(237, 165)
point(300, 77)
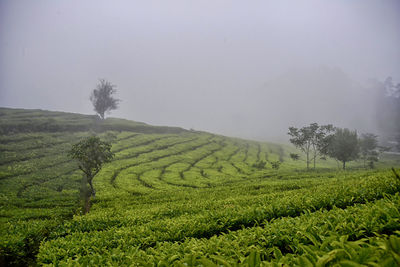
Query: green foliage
point(189, 199)
point(260, 164)
point(275, 164)
point(294, 156)
point(313, 140)
point(293, 236)
point(344, 146)
point(91, 154)
point(43, 121)
point(395, 173)
point(369, 149)
point(183, 216)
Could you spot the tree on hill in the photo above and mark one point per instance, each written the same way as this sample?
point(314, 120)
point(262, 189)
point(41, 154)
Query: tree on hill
point(91, 154)
point(313, 140)
point(102, 98)
point(344, 146)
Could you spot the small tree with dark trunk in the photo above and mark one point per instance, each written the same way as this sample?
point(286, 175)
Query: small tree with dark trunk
point(313, 140)
point(102, 98)
point(91, 154)
point(344, 146)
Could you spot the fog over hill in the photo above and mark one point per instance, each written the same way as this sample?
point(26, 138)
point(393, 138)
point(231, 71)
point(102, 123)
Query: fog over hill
point(247, 69)
point(324, 95)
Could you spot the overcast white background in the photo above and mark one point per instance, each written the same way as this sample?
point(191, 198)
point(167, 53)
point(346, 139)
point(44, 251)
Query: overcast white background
point(240, 68)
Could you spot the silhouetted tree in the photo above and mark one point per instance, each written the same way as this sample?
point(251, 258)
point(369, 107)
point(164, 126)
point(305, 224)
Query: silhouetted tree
point(313, 140)
point(91, 154)
point(369, 148)
point(388, 109)
point(344, 146)
point(294, 156)
point(102, 98)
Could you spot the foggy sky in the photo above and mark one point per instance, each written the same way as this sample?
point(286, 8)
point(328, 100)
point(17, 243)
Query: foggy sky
point(240, 68)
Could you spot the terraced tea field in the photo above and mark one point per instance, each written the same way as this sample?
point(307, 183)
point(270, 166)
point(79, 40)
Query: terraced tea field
point(185, 198)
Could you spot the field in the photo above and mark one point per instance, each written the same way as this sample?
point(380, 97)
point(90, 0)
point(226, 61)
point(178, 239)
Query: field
point(185, 198)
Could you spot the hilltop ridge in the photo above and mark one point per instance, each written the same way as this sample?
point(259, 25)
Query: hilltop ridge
point(13, 120)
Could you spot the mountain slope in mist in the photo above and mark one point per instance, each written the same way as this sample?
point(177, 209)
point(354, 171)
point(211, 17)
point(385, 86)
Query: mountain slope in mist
point(301, 96)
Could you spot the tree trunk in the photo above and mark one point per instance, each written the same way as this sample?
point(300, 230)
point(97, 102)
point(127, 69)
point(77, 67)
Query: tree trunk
point(93, 192)
point(308, 161)
point(315, 156)
point(85, 194)
point(344, 165)
point(87, 204)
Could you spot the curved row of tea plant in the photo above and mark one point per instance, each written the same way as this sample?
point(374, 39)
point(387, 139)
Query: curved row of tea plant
point(165, 187)
point(294, 237)
point(39, 189)
point(97, 237)
point(39, 183)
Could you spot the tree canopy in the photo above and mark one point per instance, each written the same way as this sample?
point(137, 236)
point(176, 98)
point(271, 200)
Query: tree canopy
point(369, 148)
point(313, 140)
point(102, 98)
point(344, 146)
point(91, 154)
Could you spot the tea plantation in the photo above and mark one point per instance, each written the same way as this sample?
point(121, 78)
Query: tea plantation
point(173, 197)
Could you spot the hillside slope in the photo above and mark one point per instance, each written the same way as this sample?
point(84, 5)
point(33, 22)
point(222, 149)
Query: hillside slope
point(36, 120)
point(39, 184)
point(172, 196)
